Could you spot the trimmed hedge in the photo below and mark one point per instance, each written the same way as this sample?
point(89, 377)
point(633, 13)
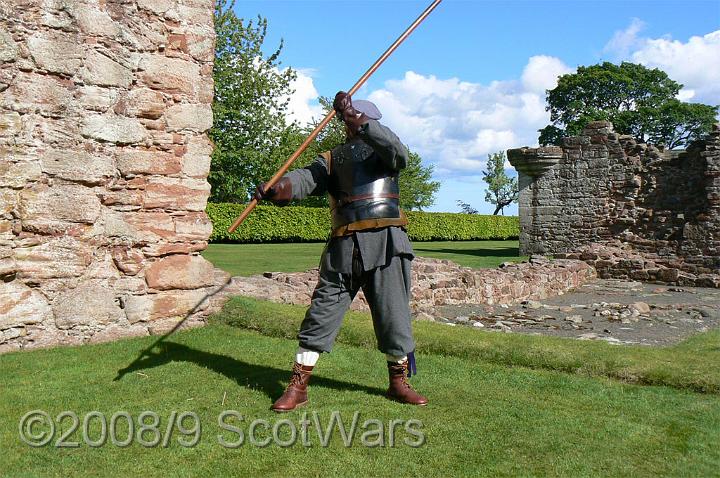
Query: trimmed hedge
point(310, 224)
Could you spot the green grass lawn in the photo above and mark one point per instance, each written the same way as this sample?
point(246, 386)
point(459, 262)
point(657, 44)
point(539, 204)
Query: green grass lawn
point(249, 259)
point(484, 419)
point(500, 404)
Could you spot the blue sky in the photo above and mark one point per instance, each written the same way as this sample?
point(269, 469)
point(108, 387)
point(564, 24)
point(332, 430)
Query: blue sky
point(471, 79)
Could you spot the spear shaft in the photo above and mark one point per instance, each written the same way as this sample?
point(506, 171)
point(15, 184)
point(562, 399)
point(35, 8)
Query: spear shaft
point(331, 114)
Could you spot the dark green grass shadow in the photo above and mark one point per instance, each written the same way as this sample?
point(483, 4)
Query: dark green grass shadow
point(269, 380)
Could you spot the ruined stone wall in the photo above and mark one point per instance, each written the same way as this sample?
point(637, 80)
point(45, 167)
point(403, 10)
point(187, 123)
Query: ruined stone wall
point(104, 105)
point(605, 188)
point(437, 282)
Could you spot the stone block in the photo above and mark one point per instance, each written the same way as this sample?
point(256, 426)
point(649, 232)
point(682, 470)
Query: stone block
point(172, 75)
point(61, 257)
point(176, 304)
point(10, 334)
point(52, 52)
point(31, 93)
point(128, 285)
point(89, 304)
point(138, 308)
point(113, 129)
point(176, 194)
point(142, 103)
point(17, 175)
point(100, 70)
point(196, 160)
point(10, 124)
point(122, 199)
point(96, 98)
point(157, 7)
point(128, 260)
point(197, 16)
point(8, 200)
point(8, 48)
point(164, 249)
point(193, 226)
point(191, 117)
point(65, 202)
point(93, 21)
point(21, 305)
point(201, 47)
point(180, 272)
point(77, 166)
point(143, 161)
point(140, 227)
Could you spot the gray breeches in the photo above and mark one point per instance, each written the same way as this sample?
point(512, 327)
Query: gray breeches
point(387, 290)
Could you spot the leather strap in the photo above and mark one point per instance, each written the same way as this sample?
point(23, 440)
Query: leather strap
point(366, 224)
point(327, 155)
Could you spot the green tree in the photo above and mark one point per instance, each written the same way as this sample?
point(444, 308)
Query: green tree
point(502, 190)
point(417, 189)
point(249, 129)
point(637, 100)
point(466, 208)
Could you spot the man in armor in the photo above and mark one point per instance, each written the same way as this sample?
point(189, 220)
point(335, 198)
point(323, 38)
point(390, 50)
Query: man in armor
point(369, 248)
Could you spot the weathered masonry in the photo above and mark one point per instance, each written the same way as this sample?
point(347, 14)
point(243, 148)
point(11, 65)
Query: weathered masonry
point(104, 106)
point(626, 207)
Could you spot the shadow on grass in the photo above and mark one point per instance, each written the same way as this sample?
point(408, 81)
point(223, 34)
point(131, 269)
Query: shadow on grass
point(481, 252)
point(257, 377)
point(269, 380)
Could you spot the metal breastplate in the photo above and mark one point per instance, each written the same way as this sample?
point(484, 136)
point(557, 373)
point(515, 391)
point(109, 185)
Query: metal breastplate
point(361, 187)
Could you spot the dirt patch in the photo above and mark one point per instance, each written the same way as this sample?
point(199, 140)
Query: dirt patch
point(616, 311)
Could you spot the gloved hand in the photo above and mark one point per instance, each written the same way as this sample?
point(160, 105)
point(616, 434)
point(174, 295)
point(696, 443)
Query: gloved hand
point(347, 113)
point(280, 194)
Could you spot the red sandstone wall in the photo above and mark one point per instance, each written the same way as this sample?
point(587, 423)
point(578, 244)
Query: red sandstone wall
point(104, 106)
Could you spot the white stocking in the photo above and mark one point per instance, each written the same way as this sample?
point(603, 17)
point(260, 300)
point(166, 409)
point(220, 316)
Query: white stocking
point(306, 357)
point(394, 358)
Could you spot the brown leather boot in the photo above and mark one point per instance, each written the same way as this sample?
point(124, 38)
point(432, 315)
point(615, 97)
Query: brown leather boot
point(296, 392)
point(400, 390)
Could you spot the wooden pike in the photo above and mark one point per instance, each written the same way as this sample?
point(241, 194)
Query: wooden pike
point(331, 114)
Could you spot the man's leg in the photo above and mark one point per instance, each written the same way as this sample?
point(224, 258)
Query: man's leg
point(331, 299)
point(318, 331)
point(387, 290)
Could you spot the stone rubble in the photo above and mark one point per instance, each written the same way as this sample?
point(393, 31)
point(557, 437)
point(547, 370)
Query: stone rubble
point(439, 282)
point(663, 316)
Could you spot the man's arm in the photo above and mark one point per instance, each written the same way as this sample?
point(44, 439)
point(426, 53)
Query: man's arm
point(297, 184)
point(309, 181)
point(385, 143)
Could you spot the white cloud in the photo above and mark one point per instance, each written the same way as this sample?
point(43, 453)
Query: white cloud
point(694, 63)
point(303, 106)
point(624, 41)
point(455, 124)
point(541, 73)
point(451, 123)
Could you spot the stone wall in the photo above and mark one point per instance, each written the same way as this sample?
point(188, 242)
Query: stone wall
point(438, 282)
point(605, 188)
point(104, 105)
